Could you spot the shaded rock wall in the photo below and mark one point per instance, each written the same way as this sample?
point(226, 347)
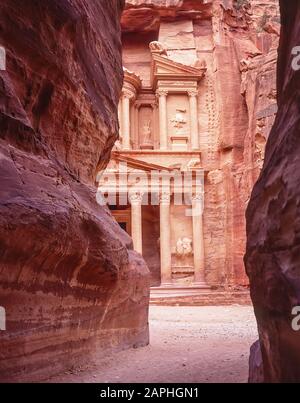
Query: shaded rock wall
point(272, 258)
point(70, 282)
point(237, 104)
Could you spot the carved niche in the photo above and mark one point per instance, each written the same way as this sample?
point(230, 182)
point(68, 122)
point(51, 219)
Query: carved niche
point(179, 121)
point(146, 128)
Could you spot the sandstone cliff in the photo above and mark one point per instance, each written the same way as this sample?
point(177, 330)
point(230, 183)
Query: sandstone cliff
point(69, 280)
point(272, 258)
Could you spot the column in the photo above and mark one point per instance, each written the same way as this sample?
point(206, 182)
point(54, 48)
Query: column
point(136, 126)
point(120, 115)
point(193, 95)
point(163, 123)
point(136, 221)
point(198, 239)
point(165, 239)
point(126, 121)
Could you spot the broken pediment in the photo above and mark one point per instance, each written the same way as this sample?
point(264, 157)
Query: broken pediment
point(138, 164)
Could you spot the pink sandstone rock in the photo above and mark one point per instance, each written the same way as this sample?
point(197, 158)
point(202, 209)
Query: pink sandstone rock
point(70, 282)
point(272, 258)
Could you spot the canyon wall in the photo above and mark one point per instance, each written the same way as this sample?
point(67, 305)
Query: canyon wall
point(273, 224)
point(70, 283)
point(237, 41)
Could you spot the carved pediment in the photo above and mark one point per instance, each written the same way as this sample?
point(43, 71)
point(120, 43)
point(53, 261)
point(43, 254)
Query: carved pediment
point(164, 68)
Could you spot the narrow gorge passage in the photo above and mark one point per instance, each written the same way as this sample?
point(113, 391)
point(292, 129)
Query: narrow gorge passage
point(149, 155)
point(187, 344)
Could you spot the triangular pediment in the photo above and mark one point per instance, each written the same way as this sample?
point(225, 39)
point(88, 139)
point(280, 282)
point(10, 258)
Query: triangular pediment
point(165, 68)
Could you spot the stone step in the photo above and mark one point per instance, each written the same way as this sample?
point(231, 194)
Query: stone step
point(200, 298)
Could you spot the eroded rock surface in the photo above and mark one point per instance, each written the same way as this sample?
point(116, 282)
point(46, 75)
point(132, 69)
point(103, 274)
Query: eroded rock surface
point(69, 280)
point(273, 224)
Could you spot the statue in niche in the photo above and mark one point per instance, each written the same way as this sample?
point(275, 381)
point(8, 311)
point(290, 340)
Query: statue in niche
point(147, 135)
point(184, 247)
point(179, 121)
point(147, 132)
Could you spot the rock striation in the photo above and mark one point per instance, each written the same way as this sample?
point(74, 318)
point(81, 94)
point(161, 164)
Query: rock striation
point(272, 258)
point(70, 283)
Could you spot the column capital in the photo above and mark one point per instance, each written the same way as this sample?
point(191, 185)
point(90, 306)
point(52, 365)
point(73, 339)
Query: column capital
point(161, 92)
point(197, 204)
point(135, 197)
point(193, 92)
point(165, 197)
point(127, 94)
point(198, 197)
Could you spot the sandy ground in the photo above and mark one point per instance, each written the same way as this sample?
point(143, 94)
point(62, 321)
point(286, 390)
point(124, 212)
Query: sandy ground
point(188, 344)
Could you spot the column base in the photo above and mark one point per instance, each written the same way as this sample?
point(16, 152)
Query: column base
point(201, 284)
point(166, 297)
point(167, 283)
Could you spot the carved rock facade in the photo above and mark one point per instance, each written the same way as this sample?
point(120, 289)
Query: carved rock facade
point(199, 96)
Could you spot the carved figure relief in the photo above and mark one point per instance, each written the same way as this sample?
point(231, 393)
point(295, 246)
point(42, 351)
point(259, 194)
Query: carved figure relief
point(157, 47)
point(179, 121)
point(194, 163)
point(146, 128)
point(147, 132)
point(184, 247)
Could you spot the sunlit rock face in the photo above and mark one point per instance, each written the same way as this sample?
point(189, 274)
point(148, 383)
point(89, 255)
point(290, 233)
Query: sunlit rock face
point(273, 222)
point(237, 41)
point(70, 283)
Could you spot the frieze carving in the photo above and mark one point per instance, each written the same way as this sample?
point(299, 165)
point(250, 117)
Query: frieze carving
point(179, 121)
point(184, 247)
